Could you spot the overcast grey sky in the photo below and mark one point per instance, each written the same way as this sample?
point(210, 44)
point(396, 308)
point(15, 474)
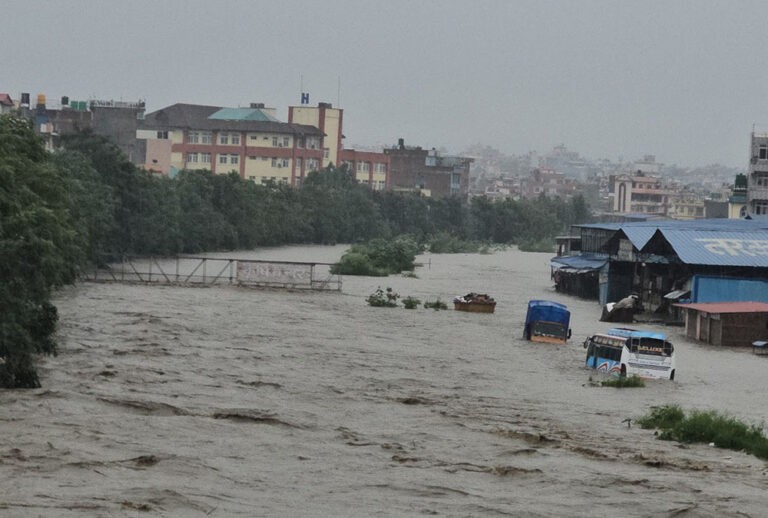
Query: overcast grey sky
point(683, 80)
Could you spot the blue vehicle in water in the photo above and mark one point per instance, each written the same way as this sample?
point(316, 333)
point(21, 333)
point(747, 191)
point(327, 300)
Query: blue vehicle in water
point(623, 351)
point(547, 321)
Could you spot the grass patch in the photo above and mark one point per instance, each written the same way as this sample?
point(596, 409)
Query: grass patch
point(706, 427)
point(624, 382)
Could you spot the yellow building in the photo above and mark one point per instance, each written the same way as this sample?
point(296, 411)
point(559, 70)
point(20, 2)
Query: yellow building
point(249, 141)
point(329, 121)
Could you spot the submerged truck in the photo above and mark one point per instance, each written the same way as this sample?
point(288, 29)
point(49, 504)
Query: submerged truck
point(547, 321)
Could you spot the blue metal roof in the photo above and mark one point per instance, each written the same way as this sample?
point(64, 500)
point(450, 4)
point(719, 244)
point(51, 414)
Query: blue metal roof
point(584, 262)
point(691, 224)
point(719, 247)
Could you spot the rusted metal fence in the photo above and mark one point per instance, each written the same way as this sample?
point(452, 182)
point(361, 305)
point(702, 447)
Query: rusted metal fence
point(209, 271)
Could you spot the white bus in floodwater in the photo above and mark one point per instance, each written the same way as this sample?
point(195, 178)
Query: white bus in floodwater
point(622, 351)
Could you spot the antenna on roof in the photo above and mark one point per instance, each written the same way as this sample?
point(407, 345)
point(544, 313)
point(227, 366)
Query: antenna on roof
point(338, 93)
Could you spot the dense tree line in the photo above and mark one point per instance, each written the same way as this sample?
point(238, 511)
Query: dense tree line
point(86, 203)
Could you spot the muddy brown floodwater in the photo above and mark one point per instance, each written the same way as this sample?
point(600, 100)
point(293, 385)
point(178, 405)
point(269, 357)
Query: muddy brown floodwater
point(225, 401)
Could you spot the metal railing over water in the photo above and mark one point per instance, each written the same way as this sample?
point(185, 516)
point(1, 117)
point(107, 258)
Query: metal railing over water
point(210, 271)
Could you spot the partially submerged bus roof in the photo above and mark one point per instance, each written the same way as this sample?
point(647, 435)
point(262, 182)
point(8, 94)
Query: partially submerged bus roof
point(627, 332)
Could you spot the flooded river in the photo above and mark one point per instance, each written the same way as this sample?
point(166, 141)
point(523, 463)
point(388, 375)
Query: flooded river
point(225, 401)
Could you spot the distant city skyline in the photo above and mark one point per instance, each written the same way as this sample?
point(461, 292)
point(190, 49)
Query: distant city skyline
point(679, 80)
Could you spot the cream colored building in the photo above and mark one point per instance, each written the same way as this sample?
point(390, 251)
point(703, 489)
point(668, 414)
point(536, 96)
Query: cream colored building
point(249, 141)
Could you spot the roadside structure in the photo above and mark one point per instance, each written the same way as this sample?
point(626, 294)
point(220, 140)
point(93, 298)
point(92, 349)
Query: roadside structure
point(726, 323)
point(667, 261)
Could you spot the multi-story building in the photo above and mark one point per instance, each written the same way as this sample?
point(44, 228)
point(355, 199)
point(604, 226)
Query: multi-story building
point(757, 177)
point(6, 104)
point(116, 120)
point(417, 169)
point(250, 141)
point(369, 167)
point(639, 193)
point(329, 121)
point(547, 182)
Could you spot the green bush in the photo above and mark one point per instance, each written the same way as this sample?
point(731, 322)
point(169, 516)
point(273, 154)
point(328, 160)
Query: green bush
point(662, 417)
point(379, 257)
point(445, 243)
point(707, 427)
point(411, 302)
point(382, 299)
point(356, 263)
point(436, 305)
point(624, 382)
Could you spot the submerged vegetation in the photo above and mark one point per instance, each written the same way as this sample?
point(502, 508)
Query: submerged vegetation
point(383, 299)
point(436, 305)
point(624, 382)
point(706, 427)
point(379, 257)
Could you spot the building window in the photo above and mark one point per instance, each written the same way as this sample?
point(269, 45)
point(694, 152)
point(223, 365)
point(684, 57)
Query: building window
point(192, 158)
point(326, 152)
point(224, 139)
point(205, 137)
point(299, 142)
point(298, 164)
point(162, 135)
point(274, 141)
point(762, 153)
point(234, 159)
point(298, 181)
point(285, 162)
point(193, 137)
point(222, 159)
point(205, 158)
point(235, 139)
point(286, 141)
point(761, 179)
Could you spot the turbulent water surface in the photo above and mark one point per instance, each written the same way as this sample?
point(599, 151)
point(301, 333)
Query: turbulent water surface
point(226, 401)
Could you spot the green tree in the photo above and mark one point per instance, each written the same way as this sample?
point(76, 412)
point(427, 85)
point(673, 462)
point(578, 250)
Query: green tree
point(39, 251)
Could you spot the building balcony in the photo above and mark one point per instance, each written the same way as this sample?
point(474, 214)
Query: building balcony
point(756, 192)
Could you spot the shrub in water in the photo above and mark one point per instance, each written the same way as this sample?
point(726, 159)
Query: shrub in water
point(436, 305)
point(411, 302)
point(382, 299)
point(624, 382)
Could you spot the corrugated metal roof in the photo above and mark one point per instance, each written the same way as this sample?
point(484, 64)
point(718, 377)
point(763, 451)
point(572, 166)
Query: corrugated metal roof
point(755, 223)
point(585, 262)
point(727, 307)
point(719, 247)
point(242, 114)
point(639, 235)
